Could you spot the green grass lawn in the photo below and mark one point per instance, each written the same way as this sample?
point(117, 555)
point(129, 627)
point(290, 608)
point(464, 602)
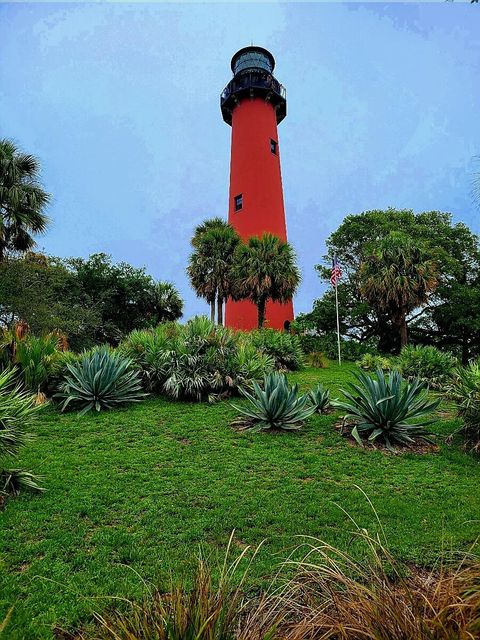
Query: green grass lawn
point(133, 493)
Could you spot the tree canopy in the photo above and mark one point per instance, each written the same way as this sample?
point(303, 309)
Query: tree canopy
point(444, 318)
point(92, 300)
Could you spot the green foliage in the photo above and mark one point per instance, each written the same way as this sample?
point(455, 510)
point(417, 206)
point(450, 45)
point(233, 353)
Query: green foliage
point(179, 469)
point(372, 362)
point(277, 406)
point(320, 398)
point(43, 292)
point(214, 243)
point(351, 349)
point(126, 298)
point(17, 412)
point(450, 319)
point(396, 276)
point(427, 363)
point(22, 199)
point(384, 408)
point(264, 269)
point(284, 348)
point(198, 360)
point(102, 379)
point(37, 359)
point(465, 390)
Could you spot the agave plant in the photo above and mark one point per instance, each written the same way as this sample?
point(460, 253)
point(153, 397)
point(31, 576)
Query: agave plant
point(320, 398)
point(276, 406)
point(388, 409)
point(17, 411)
point(101, 379)
point(465, 391)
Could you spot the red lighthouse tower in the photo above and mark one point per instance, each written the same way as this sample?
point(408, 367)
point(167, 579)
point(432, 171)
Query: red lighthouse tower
point(253, 103)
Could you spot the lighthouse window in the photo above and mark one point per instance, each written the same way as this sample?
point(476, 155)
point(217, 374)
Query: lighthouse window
point(273, 146)
point(238, 202)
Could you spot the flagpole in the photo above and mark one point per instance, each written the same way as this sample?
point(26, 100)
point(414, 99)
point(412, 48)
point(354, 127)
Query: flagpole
point(338, 324)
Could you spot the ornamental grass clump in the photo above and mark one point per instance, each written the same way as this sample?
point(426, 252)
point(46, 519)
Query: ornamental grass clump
point(101, 379)
point(17, 412)
point(276, 406)
point(388, 409)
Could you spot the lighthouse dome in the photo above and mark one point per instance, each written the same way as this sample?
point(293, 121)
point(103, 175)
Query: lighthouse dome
point(252, 58)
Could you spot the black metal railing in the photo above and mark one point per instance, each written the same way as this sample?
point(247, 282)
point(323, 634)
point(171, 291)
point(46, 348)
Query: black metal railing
point(253, 80)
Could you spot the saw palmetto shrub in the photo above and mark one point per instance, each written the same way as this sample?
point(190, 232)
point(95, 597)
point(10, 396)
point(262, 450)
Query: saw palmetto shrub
point(17, 412)
point(427, 363)
point(277, 406)
point(195, 361)
point(388, 409)
point(284, 348)
point(101, 379)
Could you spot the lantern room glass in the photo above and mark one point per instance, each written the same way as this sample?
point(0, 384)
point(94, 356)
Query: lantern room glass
point(253, 60)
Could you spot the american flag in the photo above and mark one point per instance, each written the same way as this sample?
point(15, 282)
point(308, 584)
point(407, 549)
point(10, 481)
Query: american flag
point(336, 272)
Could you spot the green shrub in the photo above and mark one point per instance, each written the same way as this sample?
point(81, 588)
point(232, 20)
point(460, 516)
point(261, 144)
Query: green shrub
point(427, 363)
point(277, 406)
point(284, 348)
point(465, 391)
point(151, 350)
point(384, 409)
point(198, 360)
point(320, 398)
point(102, 379)
point(372, 362)
point(37, 359)
point(17, 411)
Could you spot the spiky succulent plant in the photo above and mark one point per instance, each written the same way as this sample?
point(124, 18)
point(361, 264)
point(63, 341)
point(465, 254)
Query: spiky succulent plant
point(100, 380)
point(387, 408)
point(320, 398)
point(276, 406)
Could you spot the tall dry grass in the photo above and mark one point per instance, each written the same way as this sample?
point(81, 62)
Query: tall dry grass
point(333, 595)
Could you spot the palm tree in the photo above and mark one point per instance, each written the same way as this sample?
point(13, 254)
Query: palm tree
point(22, 200)
point(265, 269)
point(214, 244)
point(396, 278)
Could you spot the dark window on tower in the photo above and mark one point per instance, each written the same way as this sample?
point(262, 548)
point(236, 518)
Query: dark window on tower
point(273, 146)
point(238, 200)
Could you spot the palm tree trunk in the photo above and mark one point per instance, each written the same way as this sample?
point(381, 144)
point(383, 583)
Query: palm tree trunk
point(212, 310)
point(403, 332)
point(261, 312)
point(219, 310)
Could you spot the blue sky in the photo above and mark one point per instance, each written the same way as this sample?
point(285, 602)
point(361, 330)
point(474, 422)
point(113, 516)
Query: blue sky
point(121, 104)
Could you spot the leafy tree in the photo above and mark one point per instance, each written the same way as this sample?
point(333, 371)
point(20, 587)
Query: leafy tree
point(396, 278)
point(125, 297)
point(41, 291)
point(265, 269)
point(214, 244)
point(90, 300)
point(22, 200)
point(453, 246)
